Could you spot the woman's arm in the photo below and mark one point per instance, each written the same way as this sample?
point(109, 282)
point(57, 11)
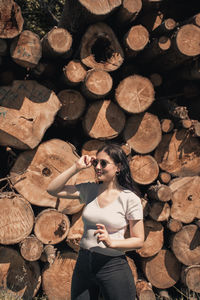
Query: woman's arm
point(135, 241)
point(58, 187)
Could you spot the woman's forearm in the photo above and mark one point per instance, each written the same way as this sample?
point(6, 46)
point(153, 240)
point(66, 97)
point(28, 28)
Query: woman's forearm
point(128, 244)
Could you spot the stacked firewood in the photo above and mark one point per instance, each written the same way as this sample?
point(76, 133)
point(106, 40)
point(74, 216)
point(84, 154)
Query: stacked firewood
point(122, 71)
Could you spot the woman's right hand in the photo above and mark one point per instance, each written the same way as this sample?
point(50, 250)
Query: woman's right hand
point(84, 162)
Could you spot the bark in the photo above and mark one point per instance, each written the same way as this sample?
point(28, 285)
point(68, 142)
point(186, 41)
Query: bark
point(90, 147)
point(31, 248)
point(127, 12)
point(75, 231)
point(159, 211)
point(133, 267)
point(160, 192)
point(74, 72)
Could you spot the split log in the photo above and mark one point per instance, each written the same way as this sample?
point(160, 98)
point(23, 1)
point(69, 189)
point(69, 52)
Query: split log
point(127, 12)
point(174, 225)
point(179, 153)
point(75, 231)
point(100, 48)
point(57, 43)
point(167, 125)
point(73, 106)
point(143, 132)
point(190, 277)
point(103, 120)
point(19, 277)
point(162, 270)
point(31, 248)
point(56, 278)
point(58, 226)
point(17, 218)
point(185, 198)
point(164, 177)
point(74, 72)
point(90, 147)
point(150, 18)
point(160, 192)
point(3, 47)
point(26, 49)
point(29, 109)
point(135, 40)
point(135, 94)
point(159, 211)
point(185, 245)
point(97, 84)
point(11, 23)
point(144, 169)
point(34, 170)
point(144, 290)
point(154, 238)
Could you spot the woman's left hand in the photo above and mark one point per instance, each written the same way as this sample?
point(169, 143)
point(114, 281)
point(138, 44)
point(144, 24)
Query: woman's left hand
point(103, 235)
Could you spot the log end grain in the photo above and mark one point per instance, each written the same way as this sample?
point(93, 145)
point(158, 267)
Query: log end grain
point(187, 40)
point(74, 72)
point(137, 38)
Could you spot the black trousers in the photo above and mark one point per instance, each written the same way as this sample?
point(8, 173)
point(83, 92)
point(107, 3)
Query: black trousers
point(95, 273)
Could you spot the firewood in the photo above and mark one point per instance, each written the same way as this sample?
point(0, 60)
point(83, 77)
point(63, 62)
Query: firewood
point(19, 277)
point(11, 20)
point(135, 40)
point(150, 18)
point(156, 79)
point(174, 225)
point(164, 177)
point(17, 218)
point(31, 248)
point(100, 48)
point(143, 132)
point(29, 110)
point(113, 120)
point(135, 94)
point(133, 267)
point(165, 28)
point(73, 106)
point(164, 295)
point(190, 277)
point(26, 49)
point(127, 12)
point(144, 290)
point(186, 246)
point(56, 278)
point(154, 238)
point(167, 125)
point(144, 169)
point(75, 231)
point(162, 270)
point(50, 254)
point(33, 171)
point(90, 147)
point(159, 211)
point(57, 43)
point(74, 72)
point(160, 192)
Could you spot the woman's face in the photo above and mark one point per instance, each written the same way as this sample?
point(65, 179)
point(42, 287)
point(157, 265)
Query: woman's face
point(105, 167)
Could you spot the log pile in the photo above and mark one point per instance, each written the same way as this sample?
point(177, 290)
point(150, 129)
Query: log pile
point(122, 71)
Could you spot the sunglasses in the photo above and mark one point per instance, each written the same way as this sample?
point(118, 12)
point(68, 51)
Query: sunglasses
point(103, 163)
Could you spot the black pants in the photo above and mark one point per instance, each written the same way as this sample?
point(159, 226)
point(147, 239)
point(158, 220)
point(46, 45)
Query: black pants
point(95, 272)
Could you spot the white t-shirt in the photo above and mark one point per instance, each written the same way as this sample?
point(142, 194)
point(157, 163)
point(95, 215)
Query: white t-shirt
point(115, 216)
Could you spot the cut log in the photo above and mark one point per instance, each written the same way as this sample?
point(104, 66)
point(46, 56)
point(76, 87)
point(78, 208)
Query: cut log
point(133, 267)
point(162, 270)
point(154, 238)
point(56, 278)
point(156, 79)
point(144, 290)
point(100, 48)
point(135, 40)
point(103, 120)
point(58, 226)
point(11, 22)
point(34, 170)
point(90, 147)
point(135, 94)
point(143, 132)
point(17, 218)
point(75, 231)
point(190, 276)
point(57, 43)
point(74, 72)
point(97, 84)
point(185, 199)
point(179, 153)
point(31, 248)
point(167, 125)
point(19, 277)
point(50, 254)
point(150, 18)
point(29, 109)
point(160, 192)
point(26, 49)
point(3, 47)
point(185, 245)
point(73, 106)
point(164, 177)
point(174, 225)
point(165, 28)
point(128, 12)
point(159, 211)
point(144, 169)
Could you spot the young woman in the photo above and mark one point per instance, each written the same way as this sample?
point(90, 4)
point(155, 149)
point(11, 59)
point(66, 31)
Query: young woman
point(110, 206)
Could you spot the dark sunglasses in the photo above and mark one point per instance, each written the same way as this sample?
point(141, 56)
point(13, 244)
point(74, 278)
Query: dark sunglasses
point(103, 163)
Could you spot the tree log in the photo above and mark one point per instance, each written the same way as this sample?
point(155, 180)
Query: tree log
point(74, 72)
point(75, 231)
point(185, 245)
point(17, 218)
point(29, 110)
point(162, 270)
point(11, 22)
point(3, 47)
point(133, 267)
point(167, 125)
point(128, 12)
point(156, 79)
point(160, 192)
point(103, 120)
point(100, 48)
point(56, 278)
point(164, 177)
point(174, 225)
point(90, 147)
point(165, 28)
point(144, 290)
point(26, 49)
point(135, 94)
point(159, 211)
point(190, 276)
point(135, 40)
point(143, 132)
point(144, 169)
point(31, 248)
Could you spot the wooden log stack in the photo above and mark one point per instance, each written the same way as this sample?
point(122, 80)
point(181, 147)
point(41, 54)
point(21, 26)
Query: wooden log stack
point(126, 72)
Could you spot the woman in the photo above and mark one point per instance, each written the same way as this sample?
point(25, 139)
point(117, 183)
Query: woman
point(110, 206)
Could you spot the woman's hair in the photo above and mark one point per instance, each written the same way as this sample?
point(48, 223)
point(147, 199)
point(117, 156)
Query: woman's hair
point(117, 154)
